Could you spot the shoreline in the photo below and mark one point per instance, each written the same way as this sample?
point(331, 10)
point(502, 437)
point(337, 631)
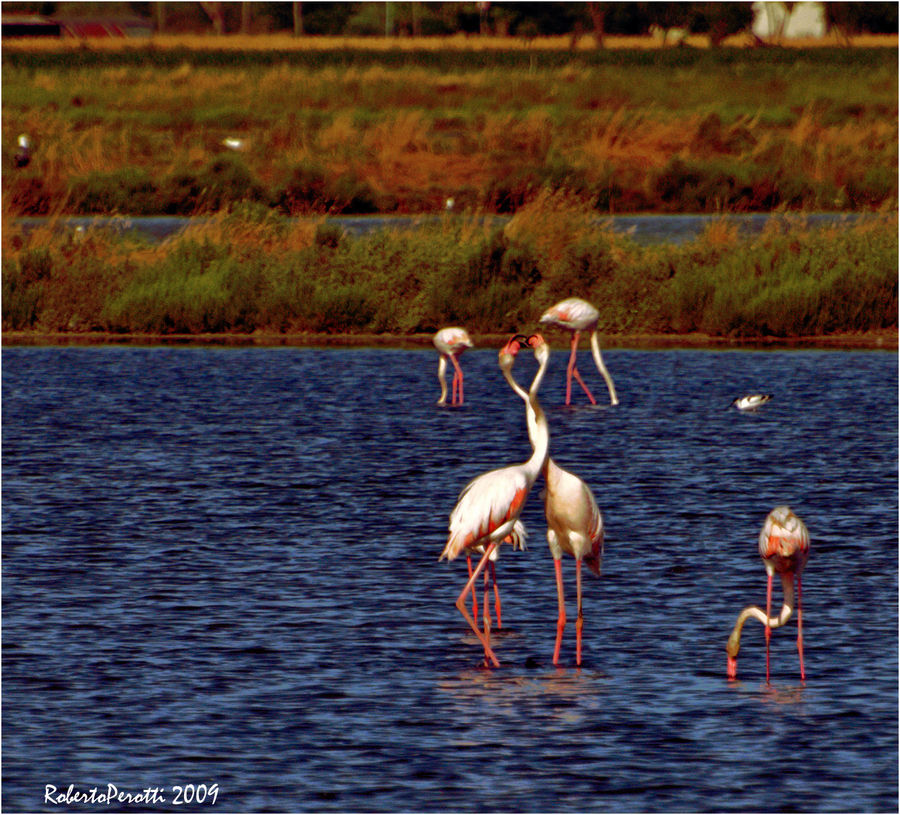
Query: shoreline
point(883, 340)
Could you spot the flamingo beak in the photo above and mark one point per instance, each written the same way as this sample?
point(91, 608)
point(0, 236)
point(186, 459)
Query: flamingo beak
point(732, 667)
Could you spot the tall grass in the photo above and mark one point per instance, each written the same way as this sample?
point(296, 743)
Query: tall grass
point(139, 130)
point(251, 270)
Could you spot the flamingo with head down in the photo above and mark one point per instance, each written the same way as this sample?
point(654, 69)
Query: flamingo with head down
point(577, 315)
point(451, 342)
point(784, 548)
point(489, 507)
point(574, 522)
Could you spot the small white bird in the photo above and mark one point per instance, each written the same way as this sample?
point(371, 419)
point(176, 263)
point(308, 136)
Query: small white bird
point(234, 144)
point(751, 401)
point(23, 154)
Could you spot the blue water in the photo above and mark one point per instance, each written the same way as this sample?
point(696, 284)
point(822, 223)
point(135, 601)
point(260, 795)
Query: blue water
point(643, 229)
point(220, 568)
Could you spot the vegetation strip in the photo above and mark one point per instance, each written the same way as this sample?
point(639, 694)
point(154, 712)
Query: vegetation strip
point(251, 270)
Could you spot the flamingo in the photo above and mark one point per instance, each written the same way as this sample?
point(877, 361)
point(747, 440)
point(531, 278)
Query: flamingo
point(451, 342)
point(490, 505)
point(784, 548)
point(751, 401)
point(577, 315)
point(574, 522)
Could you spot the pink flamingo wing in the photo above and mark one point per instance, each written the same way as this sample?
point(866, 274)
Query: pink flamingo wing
point(484, 505)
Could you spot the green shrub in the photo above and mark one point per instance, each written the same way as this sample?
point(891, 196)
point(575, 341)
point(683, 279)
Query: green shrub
point(223, 181)
point(129, 190)
point(21, 297)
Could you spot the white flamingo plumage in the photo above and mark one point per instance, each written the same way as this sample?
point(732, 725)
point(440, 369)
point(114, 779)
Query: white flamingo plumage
point(784, 548)
point(574, 521)
point(490, 505)
point(451, 342)
point(577, 315)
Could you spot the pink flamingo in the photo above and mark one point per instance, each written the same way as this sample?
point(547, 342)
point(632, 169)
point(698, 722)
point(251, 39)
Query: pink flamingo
point(577, 315)
point(784, 548)
point(490, 505)
point(451, 342)
point(574, 522)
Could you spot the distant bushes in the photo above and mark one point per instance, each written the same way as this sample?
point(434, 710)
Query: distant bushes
point(681, 185)
point(250, 270)
point(142, 131)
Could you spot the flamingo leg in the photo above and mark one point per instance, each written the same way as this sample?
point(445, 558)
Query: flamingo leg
point(579, 621)
point(561, 617)
point(768, 628)
point(572, 370)
point(800, 628)
point(474, 596)
point(461, 604)
point(496, 594)
point(486, 605)
point(457, 381)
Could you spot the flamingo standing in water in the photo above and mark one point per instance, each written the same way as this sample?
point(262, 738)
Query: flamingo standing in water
point(784, 548)
point(489, 506)
point(574, 522)
point(577, 315)
point(451, 342)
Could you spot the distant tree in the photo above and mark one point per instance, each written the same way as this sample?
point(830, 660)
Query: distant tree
point(720, 20)
point(216, 14)
point(328, 19)
point(532, 19)
point(598, 21)
point(855, 18)
point(626, 18)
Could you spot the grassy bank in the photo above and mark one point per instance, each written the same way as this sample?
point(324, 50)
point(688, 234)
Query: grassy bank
point(250, 270)
point(139, 129)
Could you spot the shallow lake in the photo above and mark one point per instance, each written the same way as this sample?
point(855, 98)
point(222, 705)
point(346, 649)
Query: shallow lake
point(643, 229)
point(220, 567)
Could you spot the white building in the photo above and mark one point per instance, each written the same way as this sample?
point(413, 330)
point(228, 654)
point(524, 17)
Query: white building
point(803, 20)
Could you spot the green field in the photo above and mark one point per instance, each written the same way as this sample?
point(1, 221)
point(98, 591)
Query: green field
point(554, 136)
point(140, 130)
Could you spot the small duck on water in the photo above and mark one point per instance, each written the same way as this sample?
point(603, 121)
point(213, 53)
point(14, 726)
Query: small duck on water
point(751, 401)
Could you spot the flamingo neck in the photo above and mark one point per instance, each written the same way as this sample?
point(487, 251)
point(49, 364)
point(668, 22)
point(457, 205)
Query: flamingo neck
point(442, 370)
point(598, 359)
point(787, 609)
point(540, 435)
point(535, 431)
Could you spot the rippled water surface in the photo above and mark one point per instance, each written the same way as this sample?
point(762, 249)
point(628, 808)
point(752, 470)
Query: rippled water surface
point(220, 567)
